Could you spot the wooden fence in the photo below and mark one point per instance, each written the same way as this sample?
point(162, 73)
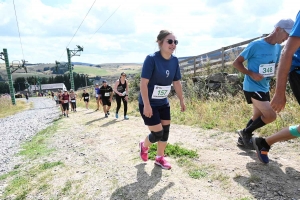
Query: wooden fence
point(219, 56)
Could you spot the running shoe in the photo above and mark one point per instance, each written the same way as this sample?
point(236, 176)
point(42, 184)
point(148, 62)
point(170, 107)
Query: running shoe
point(162, 162)
point(240, 142)
point(125, 117)
point(117, 115)
point(143, 151)
point(246, 139)
point(108, 113)
point(262, 152)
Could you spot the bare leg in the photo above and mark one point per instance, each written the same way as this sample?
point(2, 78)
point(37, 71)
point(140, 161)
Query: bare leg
point(282, 135)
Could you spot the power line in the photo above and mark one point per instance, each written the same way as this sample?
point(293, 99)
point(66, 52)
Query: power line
point(106, 20)
point(78, 28)
point(18, 28)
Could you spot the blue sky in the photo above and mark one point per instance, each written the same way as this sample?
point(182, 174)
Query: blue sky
point(47, 26)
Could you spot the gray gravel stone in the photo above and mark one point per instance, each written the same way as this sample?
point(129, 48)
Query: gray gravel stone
point(20, 127)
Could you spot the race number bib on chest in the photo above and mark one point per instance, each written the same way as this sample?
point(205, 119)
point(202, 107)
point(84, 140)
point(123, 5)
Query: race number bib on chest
point(73, 100)
point(106, 94)
point(66, 101)
point(86, 97)
point(267, 70)
point(161, 92)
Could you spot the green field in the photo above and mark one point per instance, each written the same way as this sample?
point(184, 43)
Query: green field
point(107, 71)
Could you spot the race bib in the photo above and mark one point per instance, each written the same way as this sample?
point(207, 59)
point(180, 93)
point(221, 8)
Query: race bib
point(124, 93)
point(66, 101)
point(73, 100)
point(267, 70)
point(161, 92)
point(86, 97)
point(96, 95)
point(106, 94)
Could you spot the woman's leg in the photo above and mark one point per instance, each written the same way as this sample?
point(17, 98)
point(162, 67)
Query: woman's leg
point(125, 106)
point(118, 100)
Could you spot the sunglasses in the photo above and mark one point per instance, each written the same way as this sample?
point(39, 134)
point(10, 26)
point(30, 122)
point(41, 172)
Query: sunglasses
point(170, 41)
point(124, 75)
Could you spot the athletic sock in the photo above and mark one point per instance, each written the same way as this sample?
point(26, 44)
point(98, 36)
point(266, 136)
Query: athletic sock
point(265, 144)
point(249, 123)
point(257, 123)
point(157, 157)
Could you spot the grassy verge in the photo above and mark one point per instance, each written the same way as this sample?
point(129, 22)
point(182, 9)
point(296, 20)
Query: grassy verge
point(7, 109)
point(36, 177)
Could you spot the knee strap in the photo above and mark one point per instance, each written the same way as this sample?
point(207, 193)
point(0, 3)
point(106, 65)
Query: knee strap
point(155, 136)
point(294, 131)
point(165, 136)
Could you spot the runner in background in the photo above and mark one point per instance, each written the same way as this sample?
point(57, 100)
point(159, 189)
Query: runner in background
point(97, 91)
point(122, 90)
point(65, 99)
point(60, 102)
point(86, 98)
point(106, 93)
point(73, 100)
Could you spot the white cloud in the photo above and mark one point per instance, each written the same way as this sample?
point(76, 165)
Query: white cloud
point(130, 34)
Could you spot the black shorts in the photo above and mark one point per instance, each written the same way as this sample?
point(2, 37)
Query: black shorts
point(86, 100)
point(159, 113)
point(65, 106)
point(260, 96)
point(105, 101)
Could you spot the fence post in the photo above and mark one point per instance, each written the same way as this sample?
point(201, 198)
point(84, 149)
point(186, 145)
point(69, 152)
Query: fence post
point(194, 66)
point(223, 59)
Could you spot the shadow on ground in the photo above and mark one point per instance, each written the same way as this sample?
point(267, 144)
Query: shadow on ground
point(141, 188)
point(270, 181)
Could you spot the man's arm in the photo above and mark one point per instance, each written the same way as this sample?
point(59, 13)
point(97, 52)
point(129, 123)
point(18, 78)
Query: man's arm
point(279, 99)
point(238, 64)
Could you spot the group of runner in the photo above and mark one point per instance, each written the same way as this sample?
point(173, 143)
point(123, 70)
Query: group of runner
point(103, 94)
point(263, 56)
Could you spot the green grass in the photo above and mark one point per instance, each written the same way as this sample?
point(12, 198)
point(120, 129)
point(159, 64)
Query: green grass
point(197, 173)
point(67, 187)
point(92, 71)
point(174, 151)
point(7, 108)
point(37, 146)
point(21, 182)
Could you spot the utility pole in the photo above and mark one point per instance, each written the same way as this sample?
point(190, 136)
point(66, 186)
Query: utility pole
point(11, 69)
point(9, 76)
point(86, 75)
point(71, 53)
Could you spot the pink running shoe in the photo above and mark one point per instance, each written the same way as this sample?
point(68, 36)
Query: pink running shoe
point(162, 162)
point(143, 152)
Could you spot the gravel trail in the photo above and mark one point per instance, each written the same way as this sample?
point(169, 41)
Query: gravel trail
point(22, 126)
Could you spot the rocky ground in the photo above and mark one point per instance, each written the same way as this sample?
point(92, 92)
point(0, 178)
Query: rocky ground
point(22, 126)
point(100, 161)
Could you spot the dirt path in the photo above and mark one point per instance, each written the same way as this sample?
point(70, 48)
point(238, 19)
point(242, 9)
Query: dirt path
point(100, 157)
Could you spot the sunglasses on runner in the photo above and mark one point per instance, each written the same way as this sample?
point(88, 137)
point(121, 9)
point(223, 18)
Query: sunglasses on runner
point(170, 41)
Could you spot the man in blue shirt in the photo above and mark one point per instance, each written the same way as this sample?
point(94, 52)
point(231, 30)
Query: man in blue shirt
point(290, 59)
point(262, 56)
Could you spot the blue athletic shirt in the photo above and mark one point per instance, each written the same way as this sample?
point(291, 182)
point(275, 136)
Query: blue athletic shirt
point(256, 53)
point(161, 72)
point(97, 91)
point(296, 32)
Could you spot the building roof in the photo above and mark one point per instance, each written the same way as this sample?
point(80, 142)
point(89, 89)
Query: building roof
point(52, 86)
